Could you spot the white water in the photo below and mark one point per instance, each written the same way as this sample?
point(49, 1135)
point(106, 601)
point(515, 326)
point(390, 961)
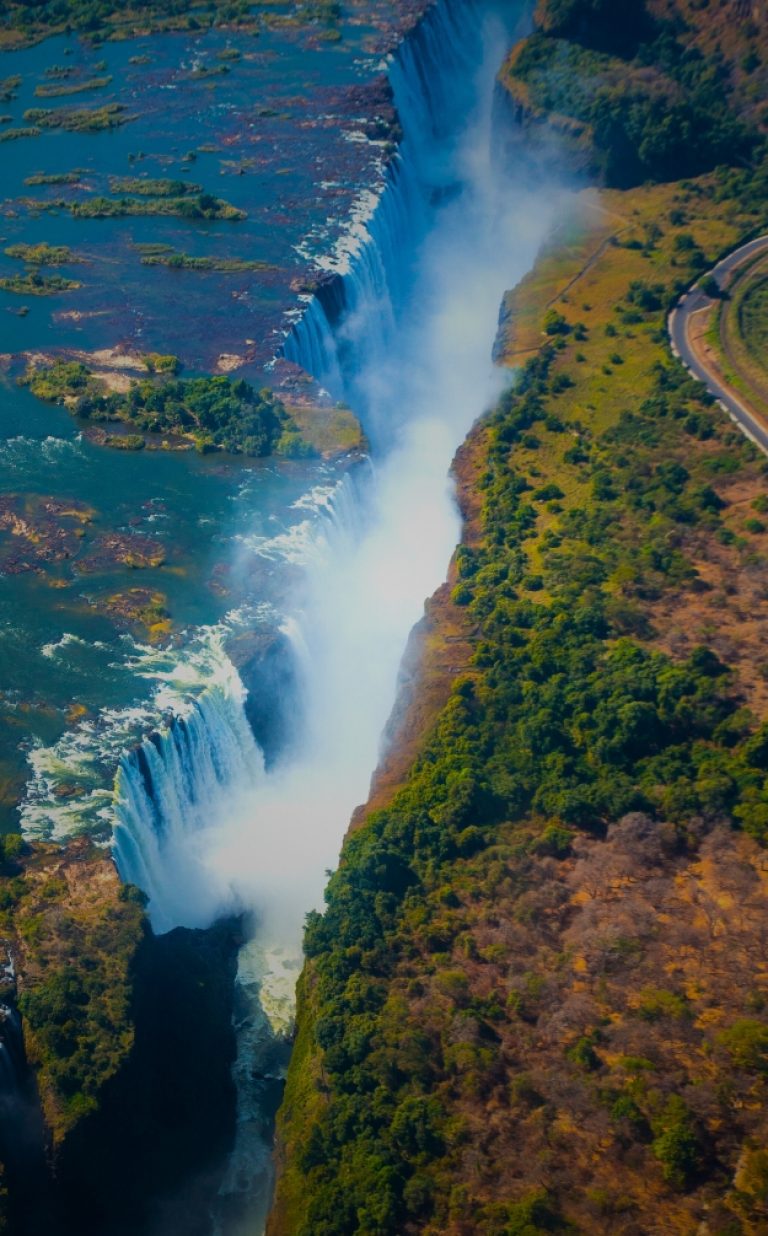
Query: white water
point(202, 827)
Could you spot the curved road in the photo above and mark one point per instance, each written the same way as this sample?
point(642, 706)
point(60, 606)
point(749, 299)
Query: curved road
point(679, 324)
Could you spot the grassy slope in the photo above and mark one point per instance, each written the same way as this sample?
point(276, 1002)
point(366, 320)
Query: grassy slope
point(499, 1037)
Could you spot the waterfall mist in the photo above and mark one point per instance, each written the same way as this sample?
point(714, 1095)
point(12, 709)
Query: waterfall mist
point(223, 833)
point(203, 827)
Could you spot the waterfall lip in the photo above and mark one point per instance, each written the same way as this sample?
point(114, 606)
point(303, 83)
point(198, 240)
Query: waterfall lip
point(356, 230)
point(338, 260)
point(89, 754)
point(355, 256)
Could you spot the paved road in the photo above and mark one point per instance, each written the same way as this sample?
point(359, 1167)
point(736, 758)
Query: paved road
point(679, 329)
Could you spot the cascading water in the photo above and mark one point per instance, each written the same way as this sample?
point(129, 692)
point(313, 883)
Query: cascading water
point(166, 791)
point(349, 326)
point(402, 326)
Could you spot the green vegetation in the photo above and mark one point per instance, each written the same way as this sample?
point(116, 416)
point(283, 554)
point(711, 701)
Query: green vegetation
point(158, 362)
point(524, 1007)
point(599, 23)
point(567, 720)
point(215, 413)
point(42, 254)
point(78, 120)
point(183, 261)
point(51, 91)
point(14, 135)
point(654, 109)
point(753, 320)
point(59, 72)
point(737, 335)
point(78, 947)
point(204, 206)
point(34, 284)
point(79, 932)
point(147, 187)
point(8, 88)
point(25, 21)
point(54, 178)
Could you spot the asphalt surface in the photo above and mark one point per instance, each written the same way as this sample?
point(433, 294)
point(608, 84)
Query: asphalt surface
point(679, 330)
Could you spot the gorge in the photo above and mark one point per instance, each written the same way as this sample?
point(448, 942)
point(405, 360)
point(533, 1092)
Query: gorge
point(530, 997)
point(203, 826)
point(403, 331)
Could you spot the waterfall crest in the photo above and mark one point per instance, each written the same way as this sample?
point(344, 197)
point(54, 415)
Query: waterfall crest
point(167, 792)
point(348, 325)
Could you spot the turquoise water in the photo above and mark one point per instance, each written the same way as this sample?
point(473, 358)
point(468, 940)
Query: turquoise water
point(280, 135)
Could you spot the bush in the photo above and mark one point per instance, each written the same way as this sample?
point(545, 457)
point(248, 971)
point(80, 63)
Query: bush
point(746, 1041)
point(677, 1145)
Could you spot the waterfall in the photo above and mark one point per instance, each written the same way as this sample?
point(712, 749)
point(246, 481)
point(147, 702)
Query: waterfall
point(168, 791)
point(401, 325)
point(348, 325)
point(173, 791)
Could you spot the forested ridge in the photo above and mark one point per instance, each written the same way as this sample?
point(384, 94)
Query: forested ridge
point(537, 998)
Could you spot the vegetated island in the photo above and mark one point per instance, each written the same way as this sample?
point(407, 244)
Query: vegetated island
point(33, 283)
point(9, 87)
point(54, 178)
point(148, 186)
point(53, 90)
point(212, 414)
point(77, 119)
point(165, 255)
point(537, 999)
point(41, 254)
point(186, 206)
point(20, 131)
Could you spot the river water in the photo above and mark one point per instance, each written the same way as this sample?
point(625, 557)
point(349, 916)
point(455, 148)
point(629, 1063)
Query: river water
point(285, 134)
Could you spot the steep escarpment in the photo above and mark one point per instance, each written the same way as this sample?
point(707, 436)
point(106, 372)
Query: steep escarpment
point(116, 1049)
point(440, 648)
point(170, 1111)
point(71, 937)
point(536, 1000)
